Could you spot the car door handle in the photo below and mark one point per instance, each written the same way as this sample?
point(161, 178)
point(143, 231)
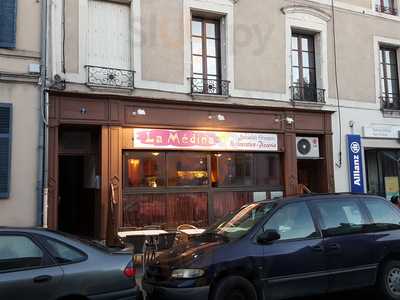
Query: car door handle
point(333, 247)
point(318, 248)
point(41, 279)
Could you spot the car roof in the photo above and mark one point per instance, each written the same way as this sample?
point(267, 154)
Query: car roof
point(322, 196)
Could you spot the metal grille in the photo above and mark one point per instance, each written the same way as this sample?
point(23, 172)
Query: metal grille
point(308, 94)
point(209, 86)
point(391, 102)
point(386, 10)
point(110, 77)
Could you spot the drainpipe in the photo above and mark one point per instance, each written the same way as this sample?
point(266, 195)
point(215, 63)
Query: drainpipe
point(43, 125)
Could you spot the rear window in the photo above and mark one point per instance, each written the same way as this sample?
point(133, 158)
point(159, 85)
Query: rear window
point(64, 253)
point(384, 216)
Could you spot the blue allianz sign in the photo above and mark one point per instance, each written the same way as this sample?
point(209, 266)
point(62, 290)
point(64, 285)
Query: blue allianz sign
point(355, 163)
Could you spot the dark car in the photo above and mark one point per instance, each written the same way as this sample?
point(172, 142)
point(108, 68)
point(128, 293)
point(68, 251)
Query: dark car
point(287, 248)
point(42, 264)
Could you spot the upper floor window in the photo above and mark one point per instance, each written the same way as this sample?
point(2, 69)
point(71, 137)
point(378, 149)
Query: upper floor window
point(8, 21)
point(304, 83)
point(386, 6)
point(389, 78)
point(206, 58)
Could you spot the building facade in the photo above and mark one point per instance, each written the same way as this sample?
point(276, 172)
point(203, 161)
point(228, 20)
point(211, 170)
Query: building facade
point(20, 59)
point(172, 112)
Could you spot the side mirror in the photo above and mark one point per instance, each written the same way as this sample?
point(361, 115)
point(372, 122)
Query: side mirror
point(268, 236)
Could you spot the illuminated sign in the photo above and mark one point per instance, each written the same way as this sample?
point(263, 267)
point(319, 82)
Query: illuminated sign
point(203, 140)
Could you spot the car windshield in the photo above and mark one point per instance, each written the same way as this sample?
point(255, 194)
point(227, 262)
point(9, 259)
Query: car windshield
point(236, 225)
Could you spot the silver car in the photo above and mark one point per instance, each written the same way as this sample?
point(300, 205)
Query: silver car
point(43, 264)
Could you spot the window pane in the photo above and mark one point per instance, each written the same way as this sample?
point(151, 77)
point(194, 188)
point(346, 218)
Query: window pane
point(233, 169)
point(166, 210)
point(306, 76)
point(383, 215)
point(293, 221)
point(295, 58)
point(228, 202)
point(340, 217)
point(211, 47)
point(305, 44)
point(187, 169)
point(295, 43)
point(63, 253)
point(197, 28)
point(197, 64)
point(212, 66)
point(211, 30)
point(145, 169)
point(268, 170)
point(295, 75)
point(17, 252)
point(197, 46)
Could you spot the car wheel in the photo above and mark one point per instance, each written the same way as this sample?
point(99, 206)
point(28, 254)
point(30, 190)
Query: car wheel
point(234, 288)
point(389, 280)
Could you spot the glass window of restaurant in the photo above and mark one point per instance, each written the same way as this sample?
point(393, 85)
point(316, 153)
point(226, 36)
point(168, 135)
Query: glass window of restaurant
point(170, 188)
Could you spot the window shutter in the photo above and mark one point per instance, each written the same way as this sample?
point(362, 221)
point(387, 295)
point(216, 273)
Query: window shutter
point(8, 21)
point(5, 150)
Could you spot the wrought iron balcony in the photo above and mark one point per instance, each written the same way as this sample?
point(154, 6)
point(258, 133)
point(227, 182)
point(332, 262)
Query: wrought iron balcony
point(390, 102)
point(386, 10)
point(209, 86)
point(307, 94)
point(110, 77)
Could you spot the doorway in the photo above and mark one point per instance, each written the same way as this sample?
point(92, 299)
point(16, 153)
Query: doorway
point(76, 203)
point(79, 181)
point(310, 175)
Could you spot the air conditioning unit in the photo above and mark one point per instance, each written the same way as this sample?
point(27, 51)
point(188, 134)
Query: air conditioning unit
point(307, 147)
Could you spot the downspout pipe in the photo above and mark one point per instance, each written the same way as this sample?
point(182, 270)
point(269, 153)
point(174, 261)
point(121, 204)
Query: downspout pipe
point(41, 192)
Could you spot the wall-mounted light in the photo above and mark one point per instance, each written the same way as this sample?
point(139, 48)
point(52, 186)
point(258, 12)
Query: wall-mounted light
point(219, 117)
point(289, 120)
point(139, 112)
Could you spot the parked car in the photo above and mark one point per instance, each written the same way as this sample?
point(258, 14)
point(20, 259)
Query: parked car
point(287, 248)
point(43, 264)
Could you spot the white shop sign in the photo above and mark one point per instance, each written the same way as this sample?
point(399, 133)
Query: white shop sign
point(382, 131)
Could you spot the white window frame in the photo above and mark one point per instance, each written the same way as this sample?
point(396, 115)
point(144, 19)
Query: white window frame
point(300, 18)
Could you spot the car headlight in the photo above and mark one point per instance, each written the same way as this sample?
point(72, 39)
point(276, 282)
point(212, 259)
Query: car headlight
point(187, 273)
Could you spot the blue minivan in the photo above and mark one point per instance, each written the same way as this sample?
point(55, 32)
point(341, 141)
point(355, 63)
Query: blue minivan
point(292, 247)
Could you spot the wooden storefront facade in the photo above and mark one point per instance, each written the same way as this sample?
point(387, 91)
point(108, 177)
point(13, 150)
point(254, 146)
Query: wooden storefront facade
point(94, 133)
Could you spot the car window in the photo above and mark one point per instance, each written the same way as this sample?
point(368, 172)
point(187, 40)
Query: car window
point(63, 253)
point(340, 216)
point(292, 221)
point(19, 252)
point(384, 216)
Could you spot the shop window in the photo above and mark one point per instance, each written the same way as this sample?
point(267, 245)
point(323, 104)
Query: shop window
point(233, 169)
point(228, 202)
point(187, 169)
point(145, 169)
point(165, 210)
point(245, 169)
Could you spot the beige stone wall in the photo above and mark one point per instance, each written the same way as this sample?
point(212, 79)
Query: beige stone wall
point(20, 208)
point(72, 36)
point(260, 46)
point(21, 90)
point(162, 40)
point(355, 54)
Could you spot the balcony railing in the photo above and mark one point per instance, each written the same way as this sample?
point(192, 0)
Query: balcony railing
point(386, 10)
point(209, 86)
point(307, 94)
point(110, 77)
point(390, 102)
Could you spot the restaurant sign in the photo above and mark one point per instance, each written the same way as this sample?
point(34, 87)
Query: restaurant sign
point(203, 140)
